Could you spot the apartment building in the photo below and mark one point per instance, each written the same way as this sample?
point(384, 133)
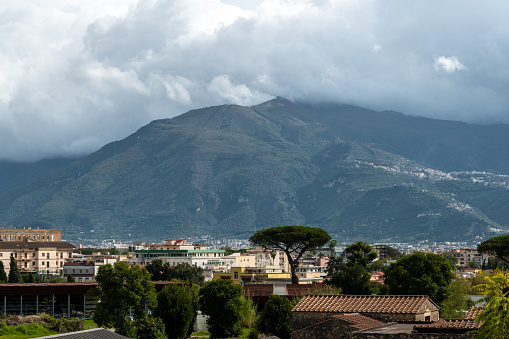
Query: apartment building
point(466, 256)
point(33, 234)
point(44, 258)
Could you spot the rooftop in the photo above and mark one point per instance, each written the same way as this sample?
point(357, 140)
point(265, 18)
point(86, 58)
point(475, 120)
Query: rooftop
point(362, 303)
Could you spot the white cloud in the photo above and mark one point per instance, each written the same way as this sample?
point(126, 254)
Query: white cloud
point(75, 75)
point(448, 65)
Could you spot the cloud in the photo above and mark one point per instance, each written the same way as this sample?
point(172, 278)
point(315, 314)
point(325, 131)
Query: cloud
point(75, 75)
point(448, 65)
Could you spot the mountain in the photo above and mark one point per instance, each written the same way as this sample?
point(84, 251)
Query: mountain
point(229, 170)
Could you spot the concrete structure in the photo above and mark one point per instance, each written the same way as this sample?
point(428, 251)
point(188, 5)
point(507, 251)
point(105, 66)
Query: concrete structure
point(44, 258)
point(466, 256)
point(310, 274)
point(264, 258)
point(81, 271)
point(248, 275)
point(29, 234)
point(239, 260)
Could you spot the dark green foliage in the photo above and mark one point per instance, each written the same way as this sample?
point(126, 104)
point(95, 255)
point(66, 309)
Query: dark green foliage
point(352, 276)
point(148, 327)
point(458, 301)
point(276, 317)
point(14, 274)
point(70, 278)
point(29, 278)
point(221, 301)
point(175, 309)
point(123, 287)
point(420, 274)
point(32, 330)
point(293, 240)
point(496, 246)
point(3, 275)
point(182, 272)
point(450, 259)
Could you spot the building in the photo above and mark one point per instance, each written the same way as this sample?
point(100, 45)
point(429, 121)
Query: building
point(42, 258)
point(239, 260)
point(248, 275)
point(265, 257)
point(466, 256)
point(338, 316)
point(36, 234)
point(81, 271)
point(310, 274)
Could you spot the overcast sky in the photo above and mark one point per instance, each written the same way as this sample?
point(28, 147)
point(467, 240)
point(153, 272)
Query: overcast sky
point(75, 75)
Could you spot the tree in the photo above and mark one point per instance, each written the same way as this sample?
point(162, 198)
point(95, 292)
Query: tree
point(494, 317)
point(29, 278)
point(458, 300)
point(148, 327)
point(453, 261)
point(352, 276)
point(70, 278)
point(14, 274)
point(293, 240)
point(3, 275)
point(332, 248)
point(496, 246)
point(221, 301)
point(185, 272)
point(422, 274)
point(182, 272)
point(276, 317)
point(125, 290)
point(175, 308)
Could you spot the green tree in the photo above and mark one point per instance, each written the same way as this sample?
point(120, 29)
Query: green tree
point(29, 278)
point(276, 317)
point(495, 316)
point(3, 275)
point(332, 248)
point(125, 290)
point(14, 274)
point(496, 246)
point(458, 301)
point(293, 240)
point(221, 301)
point(352, 276)
point(185, 272)
point(148, 327)
point(175, 308)
point(453, 261)
point(70, 279)
point(156, 269)
point(420, 273)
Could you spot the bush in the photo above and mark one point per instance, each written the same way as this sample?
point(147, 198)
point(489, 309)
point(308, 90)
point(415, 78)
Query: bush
point(276, 317)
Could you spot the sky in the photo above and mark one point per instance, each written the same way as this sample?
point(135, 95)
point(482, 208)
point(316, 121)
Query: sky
point(75, 75)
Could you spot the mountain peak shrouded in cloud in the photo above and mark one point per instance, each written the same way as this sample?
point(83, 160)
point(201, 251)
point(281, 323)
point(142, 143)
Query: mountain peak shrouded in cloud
point(75, 75)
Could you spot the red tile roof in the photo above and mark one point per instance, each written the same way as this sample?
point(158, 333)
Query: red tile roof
point(473, 312)
point(449, 325)
point(258, 290)
point(362, 303)
point(359, 321)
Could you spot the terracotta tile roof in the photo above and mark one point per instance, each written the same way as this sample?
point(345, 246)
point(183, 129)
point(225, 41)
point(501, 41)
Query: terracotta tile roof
point(258, 290)
point(358, 321)
point(448, 325)
point(362, 303)
point(473, 312)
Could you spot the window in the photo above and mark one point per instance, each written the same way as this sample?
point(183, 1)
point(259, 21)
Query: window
point(15, 255)
point(235, 275)
point(44, 254)
point(1, 254)
point(61, 255)
point(61, 264)
point(47, 254)
point(43, 263)
point(33, 263)
point(26, 264)
point(26, 255)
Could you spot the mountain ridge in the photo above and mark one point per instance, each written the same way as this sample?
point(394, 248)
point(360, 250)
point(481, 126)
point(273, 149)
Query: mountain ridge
point(228, 170)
